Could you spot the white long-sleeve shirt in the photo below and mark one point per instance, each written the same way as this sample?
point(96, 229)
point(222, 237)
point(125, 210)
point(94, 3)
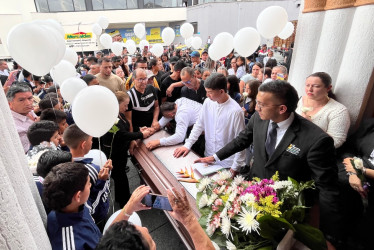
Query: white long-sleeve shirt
point(221, 124)
point(188, 112)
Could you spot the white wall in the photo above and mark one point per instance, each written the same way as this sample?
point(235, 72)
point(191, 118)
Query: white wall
point(213, 18)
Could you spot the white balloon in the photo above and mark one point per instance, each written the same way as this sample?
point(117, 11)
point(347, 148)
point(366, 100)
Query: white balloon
point(186, 30)
point(106, 40)
point(143, 43)
point(246, 41)
point(168, 35)
point(157, 50)
point(99, 158)
point(43, 43)
point(287, 31)
point(271, 21)
point(139, 30)
point(117, 48)
point(71, 87)
point(96, 29)
point(188, 42)
point(71, 56)
point(196, 42)
point(62, 71)
point(224, 43)
point(213, 53)
point(95, 110)
point(129, 42)
point(103, 22)
point(131, 48)
point(57, 26)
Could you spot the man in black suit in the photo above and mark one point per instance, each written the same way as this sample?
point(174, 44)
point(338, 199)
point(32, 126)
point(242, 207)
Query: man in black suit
point(295, 147)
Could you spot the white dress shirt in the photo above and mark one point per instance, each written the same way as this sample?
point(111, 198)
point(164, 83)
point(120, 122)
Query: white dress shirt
point(221, 124)
point(188, 112)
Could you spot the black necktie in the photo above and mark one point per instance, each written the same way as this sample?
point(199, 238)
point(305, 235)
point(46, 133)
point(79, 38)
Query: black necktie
point(271, 139)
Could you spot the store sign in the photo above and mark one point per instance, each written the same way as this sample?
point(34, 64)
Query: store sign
point(80, 41)
point(153, 35)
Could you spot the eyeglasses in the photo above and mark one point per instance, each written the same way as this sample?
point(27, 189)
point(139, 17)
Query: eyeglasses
point(188, 82)
point(142, 79)
point(260, 105)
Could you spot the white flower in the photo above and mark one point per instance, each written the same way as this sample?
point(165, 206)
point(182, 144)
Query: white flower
point(358, 163)
point(204, 183)
point(223, 213)
point(247, 220)
point(221, 189)
point(306, 109)
point(210, 230)
point(203, 201)
point(233, 195)
point(212, 198)
point(230, 245)
point(282, 184)
point(248, 198)
point(116, 122)
point(239, 179)
point(224, 175)
point(226, 226)
point(245, 94)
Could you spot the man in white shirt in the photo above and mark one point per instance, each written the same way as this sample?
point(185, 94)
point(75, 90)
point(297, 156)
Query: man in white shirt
point(221, 119)
point(4, 70)
point(185, 112)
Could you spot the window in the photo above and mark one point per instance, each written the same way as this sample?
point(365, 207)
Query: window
point(148, 4)
point(79, 5)
point(41, 6)
point(60, 5)
point(114, 4)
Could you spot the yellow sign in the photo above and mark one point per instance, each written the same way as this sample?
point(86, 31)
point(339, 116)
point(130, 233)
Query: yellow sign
point(78, 35)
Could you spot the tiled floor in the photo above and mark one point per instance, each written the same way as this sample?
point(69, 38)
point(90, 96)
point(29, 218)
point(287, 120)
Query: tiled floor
point(155, 220)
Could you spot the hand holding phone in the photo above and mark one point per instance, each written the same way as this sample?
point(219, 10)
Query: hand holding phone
point(157, 201)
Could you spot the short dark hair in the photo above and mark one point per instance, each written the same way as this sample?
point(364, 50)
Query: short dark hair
point(41, 131)
point(26, 73)
point(53, 115)
point(167, 106)
point(180, 65)
point(283, 91)
point(140, 60)
point(216, 81)
point(47, 78)
point(62, 183)
point(258, 64)
point(53, 89)
point(50, 159)
point(116, 58)
point(88, 78)
point(271, 63)
point(48, 103)
point(267, 71)
point(92, 58)
point(152, 62)
point(234, 85)
point(73, 136)
point(21, 87)
point(122, 235)
point(103, 59)
point(50, 95)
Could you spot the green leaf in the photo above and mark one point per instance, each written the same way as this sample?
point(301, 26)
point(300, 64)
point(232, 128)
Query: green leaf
point(310, 236)
point(294, 183)
point(219, 238)
point(271, 227)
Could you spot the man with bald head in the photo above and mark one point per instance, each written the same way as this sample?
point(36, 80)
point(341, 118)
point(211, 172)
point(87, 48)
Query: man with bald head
point(143, 109)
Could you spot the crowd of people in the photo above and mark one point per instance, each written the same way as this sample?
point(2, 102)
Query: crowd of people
point(240, 113)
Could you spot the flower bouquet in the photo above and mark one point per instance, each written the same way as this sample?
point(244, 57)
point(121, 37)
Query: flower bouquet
point(240, 214)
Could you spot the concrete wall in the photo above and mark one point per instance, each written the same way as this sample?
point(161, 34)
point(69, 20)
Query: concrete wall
point(214, 18)
point(339, 42)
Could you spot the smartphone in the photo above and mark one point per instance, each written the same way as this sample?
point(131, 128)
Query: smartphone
point(157, 201)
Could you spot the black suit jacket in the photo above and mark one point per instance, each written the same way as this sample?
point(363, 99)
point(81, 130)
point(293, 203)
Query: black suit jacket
point(305, 152)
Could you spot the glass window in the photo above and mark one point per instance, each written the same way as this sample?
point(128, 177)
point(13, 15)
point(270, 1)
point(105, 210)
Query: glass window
point(79, 5)
point(60, 5)
point(97, 5)
point(41, 5)
point(165, 3)
point(132, 4)
point(148, 4)
point(114, 4)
